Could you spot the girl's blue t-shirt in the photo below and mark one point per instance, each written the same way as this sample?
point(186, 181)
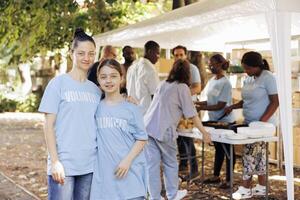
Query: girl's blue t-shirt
point(75, 104)
point(119, 127)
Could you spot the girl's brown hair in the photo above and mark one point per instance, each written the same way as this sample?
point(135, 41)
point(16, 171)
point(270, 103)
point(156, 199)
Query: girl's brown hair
point(180, 72)
point(112, 63)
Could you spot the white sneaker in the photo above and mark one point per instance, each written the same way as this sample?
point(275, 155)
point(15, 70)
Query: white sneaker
point(259, 190)
point(180, 194)
point(242, 193)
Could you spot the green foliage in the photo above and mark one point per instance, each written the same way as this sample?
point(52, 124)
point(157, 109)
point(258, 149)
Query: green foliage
point(32, 27)
point(29, 104)
point(7, 105)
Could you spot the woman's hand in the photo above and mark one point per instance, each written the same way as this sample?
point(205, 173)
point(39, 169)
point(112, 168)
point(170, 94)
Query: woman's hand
point(58, 172)
point(228, 110)
point(206, 137)
point(123, 168)
point(131, 99)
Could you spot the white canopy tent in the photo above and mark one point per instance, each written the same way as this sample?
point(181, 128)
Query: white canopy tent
point(213, 25)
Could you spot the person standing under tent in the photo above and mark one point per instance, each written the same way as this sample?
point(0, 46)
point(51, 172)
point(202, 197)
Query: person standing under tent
point(218, 97)
point(142, 78)
point(172, 99)
point(259, 103)
point(180, 52)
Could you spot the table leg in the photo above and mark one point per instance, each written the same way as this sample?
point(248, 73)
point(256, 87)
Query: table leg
point(267, 170)
point(231, 170)
point(202, 165)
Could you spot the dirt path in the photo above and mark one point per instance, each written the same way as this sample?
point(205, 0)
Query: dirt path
point(23, 159)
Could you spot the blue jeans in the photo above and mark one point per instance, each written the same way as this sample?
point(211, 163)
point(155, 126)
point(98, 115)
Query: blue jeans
point(75, 188)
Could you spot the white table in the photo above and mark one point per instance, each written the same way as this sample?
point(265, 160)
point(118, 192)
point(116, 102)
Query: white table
point(198, 135)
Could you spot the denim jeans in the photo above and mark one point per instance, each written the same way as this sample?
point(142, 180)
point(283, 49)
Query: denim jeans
point(74, 188)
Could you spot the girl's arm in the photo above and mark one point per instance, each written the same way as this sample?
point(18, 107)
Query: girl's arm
point(125, 164)
point(57, 170)
point(198, 124)
point(272, 107)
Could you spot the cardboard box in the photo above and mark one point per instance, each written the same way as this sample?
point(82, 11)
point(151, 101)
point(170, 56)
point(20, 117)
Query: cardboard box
point(296, 96)
point(297, 155)
point(296, 136)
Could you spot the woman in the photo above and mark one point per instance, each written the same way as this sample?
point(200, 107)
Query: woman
point(70, 102)
point(259, 103)
point(218, 97)
point(172, 99)
point(120, 170)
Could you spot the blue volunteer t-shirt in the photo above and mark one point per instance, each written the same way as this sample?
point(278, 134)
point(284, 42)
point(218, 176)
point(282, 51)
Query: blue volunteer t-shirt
point(119, 127)
point(255, 95)
point(75, 104)
point(219, 91)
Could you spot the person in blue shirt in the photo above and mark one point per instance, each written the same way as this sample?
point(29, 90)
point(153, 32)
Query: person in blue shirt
point(120, 168)
point(259, 103)
point(171, 101)
point(218, 97)
point(70, 102)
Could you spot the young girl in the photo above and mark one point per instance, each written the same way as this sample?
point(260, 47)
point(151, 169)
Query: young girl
point(120, 170)
point(259, 103)
point(70, 102)
point(171, 100)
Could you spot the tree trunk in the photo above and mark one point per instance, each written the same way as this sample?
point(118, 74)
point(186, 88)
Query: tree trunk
point(177, 4)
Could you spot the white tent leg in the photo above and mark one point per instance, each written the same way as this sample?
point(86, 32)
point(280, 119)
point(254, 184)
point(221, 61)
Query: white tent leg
point(279, 26)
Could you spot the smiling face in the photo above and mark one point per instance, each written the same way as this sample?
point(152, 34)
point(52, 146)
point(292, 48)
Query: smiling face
point(83, 55)
point(109, 79)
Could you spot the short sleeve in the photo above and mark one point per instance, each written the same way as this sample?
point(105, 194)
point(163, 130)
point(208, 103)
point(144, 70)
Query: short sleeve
point(186, 102)
point(51, 97)
point(270, 84)
point(225, 93)
point(152, 80)
point(139, 132)
point(195, 75)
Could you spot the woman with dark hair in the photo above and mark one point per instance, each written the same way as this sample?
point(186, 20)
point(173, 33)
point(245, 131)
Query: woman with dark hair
point(172, 99)
point(70, 102)
point(259, 103)
point(218, 92)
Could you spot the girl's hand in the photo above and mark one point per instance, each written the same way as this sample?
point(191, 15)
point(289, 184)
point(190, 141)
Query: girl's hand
point(58, 172)
point(123, 168)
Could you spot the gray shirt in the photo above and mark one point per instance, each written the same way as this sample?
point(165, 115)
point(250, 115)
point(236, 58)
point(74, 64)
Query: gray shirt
point(195, 75)
point(170, 102)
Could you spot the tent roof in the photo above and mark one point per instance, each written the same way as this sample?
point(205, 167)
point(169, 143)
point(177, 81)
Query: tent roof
point(206, 25)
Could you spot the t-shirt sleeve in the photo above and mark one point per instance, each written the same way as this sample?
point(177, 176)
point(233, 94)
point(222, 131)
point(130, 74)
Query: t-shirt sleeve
point(195, 74)
point(270, 84)
point(51, 98)
point(139, 132)
point(186, 102)
point(151, 80)
point(225, 93)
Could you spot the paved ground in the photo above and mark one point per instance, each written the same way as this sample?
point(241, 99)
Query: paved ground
point(23, 160)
